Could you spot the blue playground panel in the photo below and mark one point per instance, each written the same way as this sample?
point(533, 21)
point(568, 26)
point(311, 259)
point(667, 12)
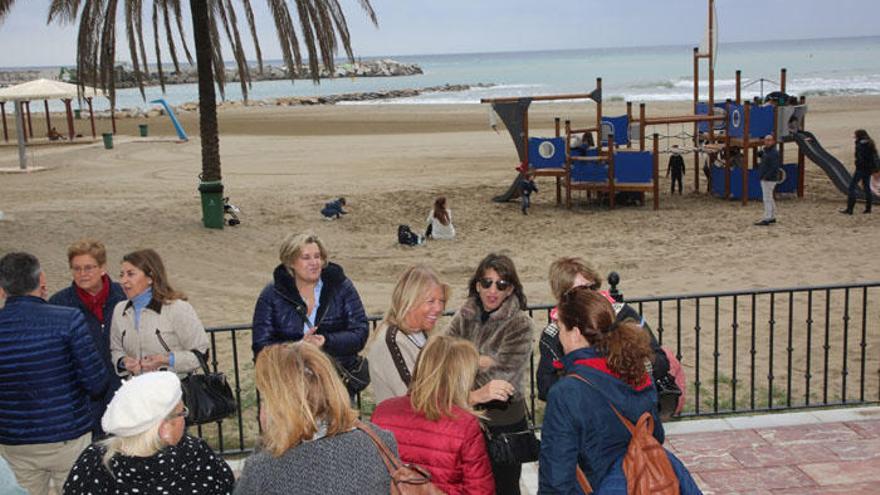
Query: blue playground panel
point(619, 127)
point(760, 121)
point(554, 149)
point(789, 185)
point(703, 109)
point(629, 168)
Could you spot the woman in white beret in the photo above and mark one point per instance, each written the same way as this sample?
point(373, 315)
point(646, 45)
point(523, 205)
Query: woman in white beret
point(148, 450)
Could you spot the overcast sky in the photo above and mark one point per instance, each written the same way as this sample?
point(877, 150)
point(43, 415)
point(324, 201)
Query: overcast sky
point(410, 27)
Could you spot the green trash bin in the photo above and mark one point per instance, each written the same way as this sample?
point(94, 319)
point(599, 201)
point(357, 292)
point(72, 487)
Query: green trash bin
point(145, 129)
point(108, 140)
point(212, 203)
point(77, 113)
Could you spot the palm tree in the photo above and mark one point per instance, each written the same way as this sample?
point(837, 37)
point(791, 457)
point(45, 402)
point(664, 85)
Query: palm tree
point(323, 27)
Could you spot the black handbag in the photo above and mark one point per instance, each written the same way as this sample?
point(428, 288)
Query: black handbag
point(208, 397)
point(355, 378)
point(667, 396)
point(516, 447)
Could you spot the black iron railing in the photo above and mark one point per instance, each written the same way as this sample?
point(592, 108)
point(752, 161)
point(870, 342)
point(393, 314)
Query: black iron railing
point(742, 352)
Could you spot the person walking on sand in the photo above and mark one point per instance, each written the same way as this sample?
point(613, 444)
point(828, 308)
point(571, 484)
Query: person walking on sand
point(527, 187)
point(676, 166)
point(769, 173)
point(866, 159)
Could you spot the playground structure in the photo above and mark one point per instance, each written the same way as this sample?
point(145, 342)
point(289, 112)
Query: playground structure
point(729, 134)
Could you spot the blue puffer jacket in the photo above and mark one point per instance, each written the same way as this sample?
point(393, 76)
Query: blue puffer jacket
point(340, 319)
point(101, 334)
point(580, 427)
point(48, 369)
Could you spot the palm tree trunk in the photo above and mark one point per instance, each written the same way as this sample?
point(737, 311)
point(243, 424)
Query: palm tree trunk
point(207, 98)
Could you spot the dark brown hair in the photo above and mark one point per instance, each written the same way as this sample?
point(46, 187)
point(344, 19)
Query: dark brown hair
point(440, 212)
point(505, 268)
point(149, 262)
point(862, 135)
point(624, 344)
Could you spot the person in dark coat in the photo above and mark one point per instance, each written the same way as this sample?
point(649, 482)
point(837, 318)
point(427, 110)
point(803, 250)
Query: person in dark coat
point(93, 293)
point(310, 299)
point(566, 273)
point(334, 209)
point(580, 429)
point(527, 187)
point(676, 166)
point(768, 172)
point(49, 368)
point(866, 154)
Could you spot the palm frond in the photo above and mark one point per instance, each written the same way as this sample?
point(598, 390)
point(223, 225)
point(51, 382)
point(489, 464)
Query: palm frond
point(341, 27)
point(286, 36)
point(5, 7)
point(244, 74)
point(365, 4)
point(139, 30)
point(178, 18)
point(309, 38)
point(158, 49)
point(61, 11)
point(169, 38)
point(249, 13)
point(216, 53)
point(108, 49)
point(132, 10)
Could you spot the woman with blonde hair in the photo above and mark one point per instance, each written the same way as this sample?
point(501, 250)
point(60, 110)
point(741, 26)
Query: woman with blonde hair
point(155, 328)
point(309, 443)
point(435, 426)
point(148, 450)
point(311, 299)
point(417, 302)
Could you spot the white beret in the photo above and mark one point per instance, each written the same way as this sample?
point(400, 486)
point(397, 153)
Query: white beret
point(141, 403)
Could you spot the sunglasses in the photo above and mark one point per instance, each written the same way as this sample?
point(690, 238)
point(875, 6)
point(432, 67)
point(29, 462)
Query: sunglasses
point(182, 414)
point(501, 285)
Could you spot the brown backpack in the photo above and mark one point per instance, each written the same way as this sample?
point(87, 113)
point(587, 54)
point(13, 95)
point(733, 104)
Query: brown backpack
point(645, 465)
point(406, 479)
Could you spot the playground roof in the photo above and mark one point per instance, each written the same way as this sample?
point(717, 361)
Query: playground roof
point(45, 89)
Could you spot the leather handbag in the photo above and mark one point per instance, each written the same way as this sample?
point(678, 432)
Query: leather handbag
point(406, 479)
point(516, 447)
point(208, 396)
point(355, 378)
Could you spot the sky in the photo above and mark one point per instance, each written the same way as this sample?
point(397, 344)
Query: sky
point(414, 27)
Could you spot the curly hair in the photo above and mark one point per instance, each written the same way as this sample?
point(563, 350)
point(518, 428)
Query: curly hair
point(624, 344)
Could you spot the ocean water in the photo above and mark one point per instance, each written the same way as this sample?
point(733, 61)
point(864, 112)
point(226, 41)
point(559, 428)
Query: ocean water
point(841, 66)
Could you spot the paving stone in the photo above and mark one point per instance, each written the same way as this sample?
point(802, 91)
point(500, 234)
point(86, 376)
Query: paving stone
point(841, 473)
point(720, 442)
point(806, 434)
point(856, 450)
point(866, 429)
point(848, 489)
point(709, 461)
point(775, 455)
point(756, 480)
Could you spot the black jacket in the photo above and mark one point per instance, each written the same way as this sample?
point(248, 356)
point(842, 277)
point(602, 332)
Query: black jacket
point(864, 156)
point(341, 320)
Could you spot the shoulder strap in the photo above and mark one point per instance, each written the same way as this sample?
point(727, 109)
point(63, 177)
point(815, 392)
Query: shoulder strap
point(392, 463)
point(396, 356)
point(202, 361)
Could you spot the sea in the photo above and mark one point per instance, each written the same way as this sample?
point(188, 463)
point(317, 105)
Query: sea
point(815, 67)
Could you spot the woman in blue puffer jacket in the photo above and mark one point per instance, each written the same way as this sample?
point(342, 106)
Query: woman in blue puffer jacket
point(580, 427)
point(310, 299)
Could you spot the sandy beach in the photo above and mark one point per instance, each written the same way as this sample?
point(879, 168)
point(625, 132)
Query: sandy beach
point(281, 164)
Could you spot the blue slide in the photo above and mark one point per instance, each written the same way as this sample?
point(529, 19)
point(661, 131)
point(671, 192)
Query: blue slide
point(180, 133)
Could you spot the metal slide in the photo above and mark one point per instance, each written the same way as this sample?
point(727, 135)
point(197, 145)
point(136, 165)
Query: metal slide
point(835, 170)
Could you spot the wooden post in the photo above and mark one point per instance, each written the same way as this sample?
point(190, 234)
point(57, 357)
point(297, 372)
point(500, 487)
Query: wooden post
point(782, 74)
point(641, 127)
point(525, 137)
point(599, 115)
point(629, 118)
point(3, 112)
point(48, 119)
point(91, 117)
point(567, 166)
point(27, 106)
point(711, 73)
point(556, 123)
point(738, 98)
point(745, 167)
point(801, 161)
point(70, 131)
point(728, 157)
point(656, 161)
point(611, 189)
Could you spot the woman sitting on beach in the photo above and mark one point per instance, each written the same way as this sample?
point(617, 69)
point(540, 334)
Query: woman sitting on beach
point(149, 451)
point(434, 425)
point(311, 299)
point(440, 221)
point(155, 328)
point(492, 318)
point(418, 300)
point(580, 427)
point(309, 444)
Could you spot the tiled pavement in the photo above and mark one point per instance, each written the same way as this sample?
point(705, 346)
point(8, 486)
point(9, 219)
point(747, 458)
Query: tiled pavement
point(807, 453)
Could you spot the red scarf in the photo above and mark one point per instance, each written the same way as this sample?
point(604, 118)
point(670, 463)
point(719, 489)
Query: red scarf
point(601, 364)
point(95, 304)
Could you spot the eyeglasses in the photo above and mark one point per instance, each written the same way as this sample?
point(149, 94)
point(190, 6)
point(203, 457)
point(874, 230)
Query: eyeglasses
point(84, 269)
point(501, 285)
point(184, 413)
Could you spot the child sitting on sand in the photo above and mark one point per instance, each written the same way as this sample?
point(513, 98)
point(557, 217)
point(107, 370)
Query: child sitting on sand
point(334, 209)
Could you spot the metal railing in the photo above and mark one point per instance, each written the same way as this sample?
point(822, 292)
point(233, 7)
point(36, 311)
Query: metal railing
point(742, 351)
